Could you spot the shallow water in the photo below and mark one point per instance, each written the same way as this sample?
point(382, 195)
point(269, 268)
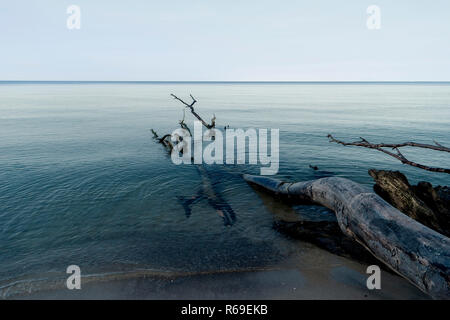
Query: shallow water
point(82, 182)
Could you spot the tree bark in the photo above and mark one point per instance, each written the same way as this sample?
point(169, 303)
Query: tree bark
point(425, 204)
point(414, 251)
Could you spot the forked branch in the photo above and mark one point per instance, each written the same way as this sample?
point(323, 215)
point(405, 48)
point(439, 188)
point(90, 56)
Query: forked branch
point(395, 147)
point(165, 140)
point(191, 108)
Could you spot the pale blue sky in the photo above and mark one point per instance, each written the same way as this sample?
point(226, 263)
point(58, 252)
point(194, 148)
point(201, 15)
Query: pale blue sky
point(225, 40)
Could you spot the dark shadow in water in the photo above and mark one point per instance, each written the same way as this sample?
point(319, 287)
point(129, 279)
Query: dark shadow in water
point(322, 231)
point(210, 192)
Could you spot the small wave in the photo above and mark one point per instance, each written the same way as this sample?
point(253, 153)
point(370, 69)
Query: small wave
point(23, 287)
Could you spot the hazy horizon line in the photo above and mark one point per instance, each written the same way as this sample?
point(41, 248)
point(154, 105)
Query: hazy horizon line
point(223, 81)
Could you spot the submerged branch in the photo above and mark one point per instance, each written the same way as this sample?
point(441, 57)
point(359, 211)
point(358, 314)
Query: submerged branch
point(165, 140)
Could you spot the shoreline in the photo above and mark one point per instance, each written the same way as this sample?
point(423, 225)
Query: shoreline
point(279, 284)
point(294, 279)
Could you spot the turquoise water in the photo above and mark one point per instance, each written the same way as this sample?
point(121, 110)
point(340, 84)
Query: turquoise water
point(82, 182)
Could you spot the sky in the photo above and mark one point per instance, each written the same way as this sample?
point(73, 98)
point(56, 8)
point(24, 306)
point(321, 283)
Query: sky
point(209, 40)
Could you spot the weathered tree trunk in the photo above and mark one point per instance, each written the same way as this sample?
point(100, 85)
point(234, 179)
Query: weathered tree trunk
point(413, 250)
point(429, 206)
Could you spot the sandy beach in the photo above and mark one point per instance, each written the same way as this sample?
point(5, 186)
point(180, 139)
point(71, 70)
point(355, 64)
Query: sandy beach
point(332, 277)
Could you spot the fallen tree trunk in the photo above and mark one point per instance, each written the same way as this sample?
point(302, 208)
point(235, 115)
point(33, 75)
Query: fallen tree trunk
point(425, 204)
point(416, 252)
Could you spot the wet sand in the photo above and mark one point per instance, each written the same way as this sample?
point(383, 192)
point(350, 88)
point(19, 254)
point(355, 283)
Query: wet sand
point(331, 277)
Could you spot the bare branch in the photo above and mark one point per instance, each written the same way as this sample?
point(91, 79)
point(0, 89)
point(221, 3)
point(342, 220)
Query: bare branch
point(437, 147)
point(155, 135)
point(191, 107)
point(164, 137)
point(164, 140)
point(363, 140)
point(185, 103)
point(183, 125)
point(399, 156)
point(438, 144)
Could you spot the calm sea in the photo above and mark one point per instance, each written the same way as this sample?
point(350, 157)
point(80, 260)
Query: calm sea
point(82, 182)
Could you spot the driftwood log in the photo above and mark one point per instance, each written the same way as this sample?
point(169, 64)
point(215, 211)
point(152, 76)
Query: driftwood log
point(429, 206)
point(414, 251)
